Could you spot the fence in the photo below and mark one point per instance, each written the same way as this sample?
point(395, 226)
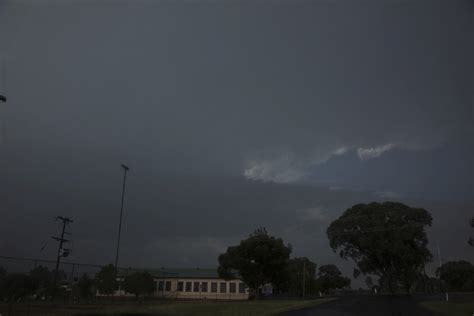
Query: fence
point(68, 271)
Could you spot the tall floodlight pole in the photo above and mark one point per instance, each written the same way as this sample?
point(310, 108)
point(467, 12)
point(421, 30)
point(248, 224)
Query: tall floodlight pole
point(125, 169)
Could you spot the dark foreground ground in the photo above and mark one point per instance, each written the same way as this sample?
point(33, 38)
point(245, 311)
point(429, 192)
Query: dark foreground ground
point(419, 305)
point(160, 308)
point(365, 305)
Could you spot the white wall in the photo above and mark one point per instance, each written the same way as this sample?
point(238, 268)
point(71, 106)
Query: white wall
point(200, 293)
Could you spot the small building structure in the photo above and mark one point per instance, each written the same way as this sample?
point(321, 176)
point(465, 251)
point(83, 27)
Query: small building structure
point(192, 284)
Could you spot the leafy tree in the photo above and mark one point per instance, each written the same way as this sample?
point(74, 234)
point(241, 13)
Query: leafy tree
point(43, 277)
point(457, 275)
point(330, 278)
point(422, 283)
point(434, 285)
point(386, 239)
point(259, 259)
point(106, 279)
point(139, 283)
point(369, 282)
point(298, 267)
point(356, 273)
point(85, 286)
point(19, 285)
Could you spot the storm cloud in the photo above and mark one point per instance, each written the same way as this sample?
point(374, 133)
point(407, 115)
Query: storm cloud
point(231, 115)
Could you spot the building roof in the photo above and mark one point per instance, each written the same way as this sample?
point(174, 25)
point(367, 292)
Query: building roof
point(196, 273)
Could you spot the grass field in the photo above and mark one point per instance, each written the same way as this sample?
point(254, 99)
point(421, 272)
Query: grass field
point(442, 308)
point(164, 308)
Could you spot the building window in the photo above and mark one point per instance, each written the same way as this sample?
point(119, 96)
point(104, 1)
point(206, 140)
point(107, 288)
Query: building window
point(223, 287)
point(161, 285)
point(189, 286)
point(213, 287)
point(180, 286)
point(204, 287)
point(241, 287)
point(232, 288)
point(168, 286)
point(196, 287)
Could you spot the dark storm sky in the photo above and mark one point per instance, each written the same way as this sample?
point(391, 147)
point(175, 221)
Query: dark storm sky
point(231, 115)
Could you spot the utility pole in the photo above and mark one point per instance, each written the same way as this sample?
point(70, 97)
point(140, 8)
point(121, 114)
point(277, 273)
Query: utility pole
point(440, 264)
point(125, 169)
point(304, 277)
point(62, 252)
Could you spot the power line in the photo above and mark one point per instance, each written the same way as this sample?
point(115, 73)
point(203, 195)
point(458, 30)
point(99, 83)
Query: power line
point(375, 228)
point(378, 229)
point(352, 218)
point(371, 215)
point(52, 261)
point(363, 231)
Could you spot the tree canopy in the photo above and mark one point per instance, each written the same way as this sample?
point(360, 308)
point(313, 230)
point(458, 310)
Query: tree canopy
point(386, 239)
point(258, 260)
point(457, 275)
point(330, 278)
point(18, 285)
point(301, 269)
point(106, 279)
point(85, 286)
point(42, 276)
point(139, 283)
point(369, 282)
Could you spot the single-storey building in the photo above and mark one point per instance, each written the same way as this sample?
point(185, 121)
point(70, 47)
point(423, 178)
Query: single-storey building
point(193, 284)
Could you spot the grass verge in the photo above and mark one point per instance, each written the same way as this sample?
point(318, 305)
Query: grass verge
point(442, 308)
point(165, 308)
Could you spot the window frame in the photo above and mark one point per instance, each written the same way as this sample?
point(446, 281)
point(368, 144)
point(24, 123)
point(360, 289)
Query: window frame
point(214, 287)
point(232, 287)
point(189, 286)
point(161, 285)
point(223, 285)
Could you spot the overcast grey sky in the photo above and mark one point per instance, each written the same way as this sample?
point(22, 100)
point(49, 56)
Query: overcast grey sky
point(231, 115)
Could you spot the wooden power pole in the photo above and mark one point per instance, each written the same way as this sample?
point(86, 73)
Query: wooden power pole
point(62, 252)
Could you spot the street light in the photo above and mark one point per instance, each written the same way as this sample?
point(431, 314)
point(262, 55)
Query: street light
point(125, 169)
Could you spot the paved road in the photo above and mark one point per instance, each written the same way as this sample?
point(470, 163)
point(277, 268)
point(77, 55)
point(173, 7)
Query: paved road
point(365, 306)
